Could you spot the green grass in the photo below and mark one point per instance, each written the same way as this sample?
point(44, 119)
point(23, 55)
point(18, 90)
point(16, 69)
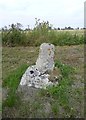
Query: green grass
point(66, 99)
point(40, 34)
point(66, 70)
point(55, 108)
point(36, 38)
point(61, 92)
point(12, 83)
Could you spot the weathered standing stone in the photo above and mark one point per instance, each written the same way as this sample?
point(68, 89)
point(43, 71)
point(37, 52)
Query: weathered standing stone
point(36, 75)
point(45, 61)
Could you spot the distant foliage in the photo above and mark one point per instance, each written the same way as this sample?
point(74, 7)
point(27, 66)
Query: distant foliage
point(42, 32)
point(14, 36)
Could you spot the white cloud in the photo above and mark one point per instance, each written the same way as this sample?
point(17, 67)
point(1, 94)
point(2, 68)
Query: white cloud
point(60, 13)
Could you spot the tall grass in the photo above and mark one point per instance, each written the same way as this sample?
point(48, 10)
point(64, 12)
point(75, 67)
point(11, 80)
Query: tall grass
point(42, 32)
point(12, 83)
point(61, 92)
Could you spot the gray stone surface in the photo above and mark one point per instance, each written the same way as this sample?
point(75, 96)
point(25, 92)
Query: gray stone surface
point(45, 61)
point(36, 75)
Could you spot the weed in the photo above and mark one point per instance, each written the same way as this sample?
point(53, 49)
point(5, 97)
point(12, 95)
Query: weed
point(65, 69)
point(12, 82)
point(55, 108)
point(42, 32)
point(61, 92)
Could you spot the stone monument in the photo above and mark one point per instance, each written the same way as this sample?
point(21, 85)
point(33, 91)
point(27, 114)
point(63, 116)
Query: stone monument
point(45, 61)
point(38, 74)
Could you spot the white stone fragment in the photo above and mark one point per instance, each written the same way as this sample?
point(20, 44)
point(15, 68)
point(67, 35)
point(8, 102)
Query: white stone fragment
point(30, 73)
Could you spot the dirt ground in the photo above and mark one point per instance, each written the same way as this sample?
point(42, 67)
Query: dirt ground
point(40, 107)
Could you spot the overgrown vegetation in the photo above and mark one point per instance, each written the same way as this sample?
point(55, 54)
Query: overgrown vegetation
point(61, 92)
point(66, 100)
point(42, 32)
point(12, 83)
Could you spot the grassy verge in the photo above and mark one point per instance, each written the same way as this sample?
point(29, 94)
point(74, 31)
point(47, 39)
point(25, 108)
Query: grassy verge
point(61, 92)
point(12, 82)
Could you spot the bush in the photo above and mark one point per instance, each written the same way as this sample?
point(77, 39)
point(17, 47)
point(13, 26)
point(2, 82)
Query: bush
point(13, 37)
point(41, 33)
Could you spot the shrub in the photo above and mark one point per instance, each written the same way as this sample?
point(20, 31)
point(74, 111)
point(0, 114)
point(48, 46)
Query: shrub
point(42, 32)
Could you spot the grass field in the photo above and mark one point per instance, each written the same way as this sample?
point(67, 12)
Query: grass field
point(65, 100)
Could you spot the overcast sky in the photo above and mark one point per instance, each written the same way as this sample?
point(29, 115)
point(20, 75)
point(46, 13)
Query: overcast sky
point(59, 13)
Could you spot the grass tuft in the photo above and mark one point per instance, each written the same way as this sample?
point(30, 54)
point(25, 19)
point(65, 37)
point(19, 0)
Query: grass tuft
point(12, 82)
point(61, 92)
point(66, 70)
